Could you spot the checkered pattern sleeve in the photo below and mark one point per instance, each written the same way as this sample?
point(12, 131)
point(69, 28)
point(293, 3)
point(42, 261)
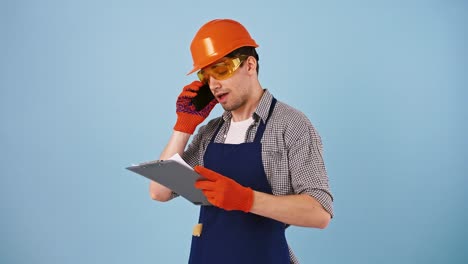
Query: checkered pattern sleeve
point(306, 165)
point(292, 153)
point(195, 151)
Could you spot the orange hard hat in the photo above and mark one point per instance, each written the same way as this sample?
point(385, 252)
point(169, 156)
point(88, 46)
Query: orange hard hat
point(216, 39)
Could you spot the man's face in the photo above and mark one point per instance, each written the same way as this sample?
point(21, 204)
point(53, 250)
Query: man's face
point(232, 93)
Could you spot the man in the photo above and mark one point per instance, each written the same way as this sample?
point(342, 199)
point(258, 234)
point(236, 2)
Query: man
point(262, 159)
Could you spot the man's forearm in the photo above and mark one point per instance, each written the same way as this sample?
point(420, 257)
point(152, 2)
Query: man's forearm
point(299, 210)
point(176, 144)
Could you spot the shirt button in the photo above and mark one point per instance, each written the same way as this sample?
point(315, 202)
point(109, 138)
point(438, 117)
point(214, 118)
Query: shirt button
point(225, 135)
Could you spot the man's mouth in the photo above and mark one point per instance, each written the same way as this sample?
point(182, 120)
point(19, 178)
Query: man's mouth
point(221, 97)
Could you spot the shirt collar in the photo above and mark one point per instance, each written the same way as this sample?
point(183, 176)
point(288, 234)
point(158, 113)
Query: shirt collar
point(261, 111)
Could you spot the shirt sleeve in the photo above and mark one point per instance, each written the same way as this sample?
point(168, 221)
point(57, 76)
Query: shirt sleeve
point(195, 151)
point(306, 165)
point(192, 154)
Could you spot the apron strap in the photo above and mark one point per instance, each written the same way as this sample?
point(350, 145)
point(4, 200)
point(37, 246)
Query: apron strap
point(262, 126)
point(217, 130)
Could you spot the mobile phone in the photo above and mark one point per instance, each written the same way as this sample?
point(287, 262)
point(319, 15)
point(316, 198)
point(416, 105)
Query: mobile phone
point(203, 97)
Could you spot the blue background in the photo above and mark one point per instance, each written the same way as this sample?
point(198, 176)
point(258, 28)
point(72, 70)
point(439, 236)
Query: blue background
point(89, 87)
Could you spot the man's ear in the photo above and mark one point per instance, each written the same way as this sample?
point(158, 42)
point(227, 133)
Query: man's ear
point(251, 64)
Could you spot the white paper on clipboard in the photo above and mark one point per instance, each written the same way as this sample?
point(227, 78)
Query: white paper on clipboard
point(179, 159)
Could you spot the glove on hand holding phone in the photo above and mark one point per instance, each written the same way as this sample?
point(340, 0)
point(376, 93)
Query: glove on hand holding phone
point(193, 106)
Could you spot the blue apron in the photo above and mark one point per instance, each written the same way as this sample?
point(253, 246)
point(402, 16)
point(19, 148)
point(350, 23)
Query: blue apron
point(235, 236)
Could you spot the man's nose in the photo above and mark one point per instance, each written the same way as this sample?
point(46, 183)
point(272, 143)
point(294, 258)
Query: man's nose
point(214, 84)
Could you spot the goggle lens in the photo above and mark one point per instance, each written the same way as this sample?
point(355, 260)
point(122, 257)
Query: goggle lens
point(222, 69)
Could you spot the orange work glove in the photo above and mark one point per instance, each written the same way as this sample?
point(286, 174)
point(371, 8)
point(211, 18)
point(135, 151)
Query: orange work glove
point(188, 118)
point(224, 192)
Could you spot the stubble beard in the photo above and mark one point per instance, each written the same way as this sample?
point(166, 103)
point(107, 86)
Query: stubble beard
point(236, 104)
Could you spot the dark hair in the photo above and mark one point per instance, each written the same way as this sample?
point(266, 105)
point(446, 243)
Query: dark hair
point(249, 51)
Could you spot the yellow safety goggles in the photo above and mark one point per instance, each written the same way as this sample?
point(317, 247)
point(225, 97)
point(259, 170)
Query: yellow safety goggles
point(221, 69)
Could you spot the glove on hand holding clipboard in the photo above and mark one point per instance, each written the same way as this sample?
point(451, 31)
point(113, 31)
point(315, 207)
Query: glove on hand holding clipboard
point(224, 192)
point(193, 105)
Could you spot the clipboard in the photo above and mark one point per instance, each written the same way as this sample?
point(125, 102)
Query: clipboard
point(174, 176)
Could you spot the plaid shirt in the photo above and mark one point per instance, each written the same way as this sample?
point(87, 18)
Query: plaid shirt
point(291, 151)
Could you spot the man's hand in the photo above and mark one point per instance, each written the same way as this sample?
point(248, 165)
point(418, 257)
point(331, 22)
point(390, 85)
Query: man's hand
point(224, 192)
point(188, 118)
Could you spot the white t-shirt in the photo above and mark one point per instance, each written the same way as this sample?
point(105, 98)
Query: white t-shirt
point(237, 131)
